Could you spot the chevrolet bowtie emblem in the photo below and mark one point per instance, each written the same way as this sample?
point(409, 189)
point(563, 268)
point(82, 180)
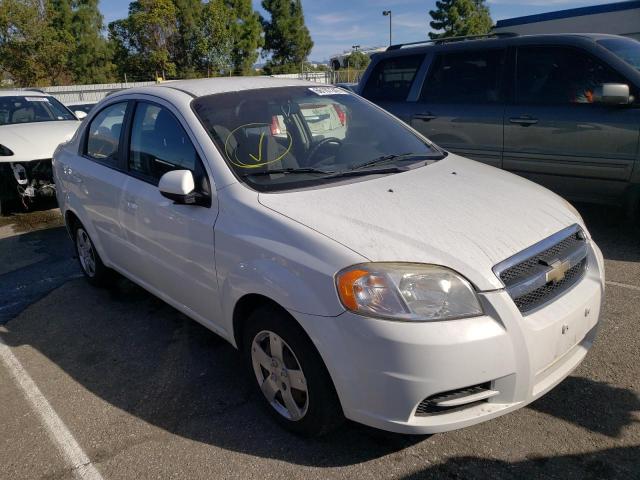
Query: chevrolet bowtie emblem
point(558, 271)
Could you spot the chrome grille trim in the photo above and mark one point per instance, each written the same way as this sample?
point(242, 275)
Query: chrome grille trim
point(545, 270)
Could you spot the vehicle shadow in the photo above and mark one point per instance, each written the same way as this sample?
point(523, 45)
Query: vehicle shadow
point(143, 357)
point(614, 463)
point(617, 237)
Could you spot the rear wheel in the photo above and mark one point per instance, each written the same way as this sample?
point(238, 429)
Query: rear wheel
point(90, 262)
point(289, 374)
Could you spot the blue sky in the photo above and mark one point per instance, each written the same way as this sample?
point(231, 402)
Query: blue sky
point(336, 25)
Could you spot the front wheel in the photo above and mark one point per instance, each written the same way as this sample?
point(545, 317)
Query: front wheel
point(90, 262)
point(289, 374)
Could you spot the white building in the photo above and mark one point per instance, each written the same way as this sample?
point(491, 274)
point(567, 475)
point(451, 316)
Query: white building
point(620, 18)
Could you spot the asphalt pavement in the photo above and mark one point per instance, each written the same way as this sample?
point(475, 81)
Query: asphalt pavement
point(132, 389)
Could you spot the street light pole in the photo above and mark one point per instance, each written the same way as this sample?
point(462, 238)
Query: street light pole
point(387, 13)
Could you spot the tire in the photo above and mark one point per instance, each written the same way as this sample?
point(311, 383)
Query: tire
point(90, 262)
point(317, 410)
point(5, 207)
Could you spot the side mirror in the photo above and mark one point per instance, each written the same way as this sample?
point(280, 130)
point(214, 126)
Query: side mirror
point(179, 186)
point(612, 94)
point(80, 114)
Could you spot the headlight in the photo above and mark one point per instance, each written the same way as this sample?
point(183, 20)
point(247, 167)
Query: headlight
point(405, 291)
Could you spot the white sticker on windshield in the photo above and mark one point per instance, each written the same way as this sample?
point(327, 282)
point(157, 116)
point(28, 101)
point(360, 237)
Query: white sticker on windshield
point(36, 99)
point(328, 91)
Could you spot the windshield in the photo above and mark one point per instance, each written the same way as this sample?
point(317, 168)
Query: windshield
point(291, 137)
point(28, 109)
point(625, 48)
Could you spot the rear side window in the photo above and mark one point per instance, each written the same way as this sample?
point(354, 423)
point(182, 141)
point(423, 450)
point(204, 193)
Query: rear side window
point(103, 140)
point(392, 78)
point(465, 77)
point(559, 76)
point(159, 143)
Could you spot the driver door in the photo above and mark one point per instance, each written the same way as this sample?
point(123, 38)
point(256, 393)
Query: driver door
point(173, 244)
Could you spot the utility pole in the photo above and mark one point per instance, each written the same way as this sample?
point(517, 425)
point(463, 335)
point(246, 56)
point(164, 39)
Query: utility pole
point(387, 13)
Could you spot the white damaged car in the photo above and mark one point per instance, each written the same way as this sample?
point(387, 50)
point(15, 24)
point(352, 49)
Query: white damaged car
point(32, 125)
point(369, 275)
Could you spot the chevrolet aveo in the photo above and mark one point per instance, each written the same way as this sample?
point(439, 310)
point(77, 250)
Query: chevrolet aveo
point(362, 271)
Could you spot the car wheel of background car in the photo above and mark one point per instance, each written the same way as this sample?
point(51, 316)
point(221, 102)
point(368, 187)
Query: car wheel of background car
point(289, 373)
point(90, 262)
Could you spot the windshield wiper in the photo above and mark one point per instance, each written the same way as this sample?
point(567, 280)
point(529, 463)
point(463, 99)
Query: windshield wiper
point(401, 157)
point(372, 171)
point(287, 171)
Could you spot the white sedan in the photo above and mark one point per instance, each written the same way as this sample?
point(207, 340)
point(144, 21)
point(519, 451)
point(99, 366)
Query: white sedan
point(371, 276)
point(32, 124)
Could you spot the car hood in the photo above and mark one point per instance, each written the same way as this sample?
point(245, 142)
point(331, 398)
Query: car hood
point(456, 212)
point(36, 140)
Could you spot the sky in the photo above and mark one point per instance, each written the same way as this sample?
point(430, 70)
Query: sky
point(337, 25)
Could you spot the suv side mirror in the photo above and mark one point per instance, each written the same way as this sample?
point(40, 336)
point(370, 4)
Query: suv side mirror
point(612, 94)
point(179, 186)
point(80, 114)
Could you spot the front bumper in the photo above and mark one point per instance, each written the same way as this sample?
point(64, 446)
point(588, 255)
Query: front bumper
point(383, 370)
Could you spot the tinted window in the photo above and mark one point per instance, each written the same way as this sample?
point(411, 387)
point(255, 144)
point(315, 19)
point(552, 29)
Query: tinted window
point(159, 143)
point(466, 77)
point(28, 109)
point(559, 76)
point(391, 78)
point(104, 133)
point(625, 48)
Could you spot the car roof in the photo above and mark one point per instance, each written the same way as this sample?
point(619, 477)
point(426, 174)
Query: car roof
point(23, 93)
point(210, 86)
point(499, 39)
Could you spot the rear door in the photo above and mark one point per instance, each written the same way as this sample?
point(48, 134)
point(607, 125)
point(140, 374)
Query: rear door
point(555, 134)
point(461, 104)
point(172, 245)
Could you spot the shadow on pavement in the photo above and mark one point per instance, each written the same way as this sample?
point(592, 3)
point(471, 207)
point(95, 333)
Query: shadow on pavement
point(615, 463)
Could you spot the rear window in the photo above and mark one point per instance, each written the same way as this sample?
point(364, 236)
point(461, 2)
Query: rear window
point(392, 78)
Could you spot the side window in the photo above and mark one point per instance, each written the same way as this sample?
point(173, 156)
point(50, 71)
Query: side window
point(559, 76)
point(104, 133)
point(159, 143)
point(465, 77)
point(392, 78)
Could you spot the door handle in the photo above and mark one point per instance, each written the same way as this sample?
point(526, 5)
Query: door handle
point(425, 117)
point(524, 120)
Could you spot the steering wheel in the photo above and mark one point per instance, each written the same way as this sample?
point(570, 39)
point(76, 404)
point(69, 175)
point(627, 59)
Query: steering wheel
point(322, 142)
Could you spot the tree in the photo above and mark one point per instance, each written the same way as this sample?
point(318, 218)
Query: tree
point(188, 34)
point(31, 50)
point(286, 37)
point(358, 60)
point(91, 58)
point(215, 42)
point(456, 18)
point(144, 41)
point(246, 32)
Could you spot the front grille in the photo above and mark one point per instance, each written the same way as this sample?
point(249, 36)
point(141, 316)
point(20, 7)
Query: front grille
point(429, 406)
point(546, 270)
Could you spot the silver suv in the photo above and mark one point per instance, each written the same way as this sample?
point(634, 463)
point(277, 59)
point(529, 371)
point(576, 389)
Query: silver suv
point(562, 110)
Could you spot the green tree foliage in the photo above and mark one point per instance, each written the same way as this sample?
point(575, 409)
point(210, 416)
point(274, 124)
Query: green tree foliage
point(215, 42)
point(31, 50)
point(455, 18)
point(144, 41)
point(246, 32)
point(286, 37)
point(188, 22)
point(358, 60)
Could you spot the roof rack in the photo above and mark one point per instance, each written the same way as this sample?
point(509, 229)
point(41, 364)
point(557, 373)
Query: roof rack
point(440, 41)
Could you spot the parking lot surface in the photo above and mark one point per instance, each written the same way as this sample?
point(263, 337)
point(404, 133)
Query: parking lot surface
point(139, 391)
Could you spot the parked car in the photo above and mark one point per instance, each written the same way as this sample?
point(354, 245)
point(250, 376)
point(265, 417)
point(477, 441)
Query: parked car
point(80, 109)
point(32, 124)
point(561, 110)
point(373, 276)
